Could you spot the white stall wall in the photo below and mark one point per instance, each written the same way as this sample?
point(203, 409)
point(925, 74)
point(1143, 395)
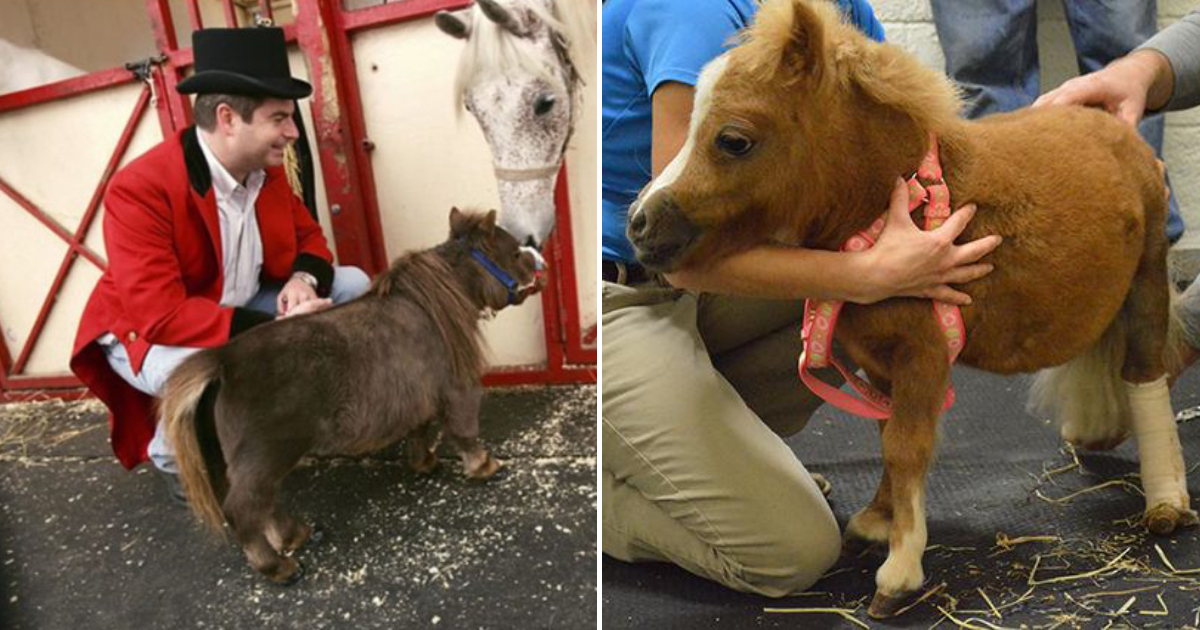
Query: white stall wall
point(54, 155)
point(909, 23)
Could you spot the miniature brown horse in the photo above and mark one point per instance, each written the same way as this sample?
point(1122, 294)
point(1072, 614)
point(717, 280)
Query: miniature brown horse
point(347, 380)
point(799, 134)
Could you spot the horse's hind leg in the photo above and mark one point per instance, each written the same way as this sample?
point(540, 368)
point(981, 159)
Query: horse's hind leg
point(909, 437)
point(249, 508)
point(1145, 315)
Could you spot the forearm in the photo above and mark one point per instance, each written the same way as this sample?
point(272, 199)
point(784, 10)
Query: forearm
point(1177, 83)
point(778, 272)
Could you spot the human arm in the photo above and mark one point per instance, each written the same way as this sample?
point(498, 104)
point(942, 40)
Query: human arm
point(906, 261)
point(1162, 74)
point(144, 264)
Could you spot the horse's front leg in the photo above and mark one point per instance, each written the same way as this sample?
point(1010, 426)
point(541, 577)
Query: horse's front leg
point(462, 427)
point(873, 523)
point(909, 437)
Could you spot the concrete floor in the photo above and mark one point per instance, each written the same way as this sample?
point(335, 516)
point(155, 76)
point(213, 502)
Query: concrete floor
point(85, 544)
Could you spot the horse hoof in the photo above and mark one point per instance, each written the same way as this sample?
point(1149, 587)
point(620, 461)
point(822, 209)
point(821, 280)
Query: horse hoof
point(490, 469)
point(1163, 519)
point(296, 575)
point(884, 606)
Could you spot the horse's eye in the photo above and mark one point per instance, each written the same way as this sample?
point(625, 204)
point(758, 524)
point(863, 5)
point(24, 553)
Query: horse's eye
point(734, 143)
point(544, 104)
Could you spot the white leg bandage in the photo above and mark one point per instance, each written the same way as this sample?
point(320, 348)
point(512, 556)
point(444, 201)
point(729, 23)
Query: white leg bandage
point(1163, 475)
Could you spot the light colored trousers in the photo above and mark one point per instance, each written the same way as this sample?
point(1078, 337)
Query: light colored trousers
point(697, 393)
point(161, 361)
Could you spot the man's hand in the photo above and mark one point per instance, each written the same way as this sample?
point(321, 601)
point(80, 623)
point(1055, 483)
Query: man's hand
point(292, 295)
point(1125, 88)
point(908, 261)
point(308, 306)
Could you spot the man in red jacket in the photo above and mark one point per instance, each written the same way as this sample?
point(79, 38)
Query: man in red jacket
point(205, 239)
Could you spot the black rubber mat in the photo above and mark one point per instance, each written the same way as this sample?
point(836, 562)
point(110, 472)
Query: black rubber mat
point(993, 461)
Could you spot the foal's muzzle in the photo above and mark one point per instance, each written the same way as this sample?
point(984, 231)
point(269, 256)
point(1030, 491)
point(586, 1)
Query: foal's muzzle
point(660, 232)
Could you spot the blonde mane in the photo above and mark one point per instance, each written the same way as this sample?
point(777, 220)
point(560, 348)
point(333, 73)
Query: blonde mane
point(492, 50)
point(887, 75)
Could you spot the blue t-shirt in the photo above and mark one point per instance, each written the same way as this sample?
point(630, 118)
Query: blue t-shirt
point(646, 43)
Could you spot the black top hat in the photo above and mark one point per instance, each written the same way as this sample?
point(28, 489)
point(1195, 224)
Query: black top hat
point(247, 61)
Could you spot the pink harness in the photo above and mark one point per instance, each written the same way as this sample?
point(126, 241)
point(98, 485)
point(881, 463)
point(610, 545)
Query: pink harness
point(820, 316)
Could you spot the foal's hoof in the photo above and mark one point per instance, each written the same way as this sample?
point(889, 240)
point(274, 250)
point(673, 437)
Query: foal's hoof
point(426, 465)
point(1164, 518)
point(288, 572)
point(884, 606)
point(486, 470)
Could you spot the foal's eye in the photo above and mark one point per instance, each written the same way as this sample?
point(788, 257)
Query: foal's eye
point(544, 104)
point(734, 143)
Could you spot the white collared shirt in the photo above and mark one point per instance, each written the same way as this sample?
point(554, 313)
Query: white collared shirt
point(241, 244)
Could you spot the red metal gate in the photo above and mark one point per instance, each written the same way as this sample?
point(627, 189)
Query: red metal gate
point(322, 30)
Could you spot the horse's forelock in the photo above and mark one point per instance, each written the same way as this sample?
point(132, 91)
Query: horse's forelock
point(493, 50)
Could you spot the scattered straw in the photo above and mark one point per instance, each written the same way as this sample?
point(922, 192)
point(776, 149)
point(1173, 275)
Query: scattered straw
point(1170, 566)
point(1099, 486)
point(846, 613)
point(1111, 566)
point(1006, 543)
point(1158, 613)
point(929, 593)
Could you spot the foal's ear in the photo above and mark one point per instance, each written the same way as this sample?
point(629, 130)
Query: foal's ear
point(489, 224)
point(459, 226)
point(456, 24)
point(803, 55)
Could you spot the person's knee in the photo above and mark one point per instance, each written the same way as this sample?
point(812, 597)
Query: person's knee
point(348, 283)
point(796, 558)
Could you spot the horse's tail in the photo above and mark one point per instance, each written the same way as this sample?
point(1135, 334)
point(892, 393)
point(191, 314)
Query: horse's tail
point(1086, 395)
point(187, 408)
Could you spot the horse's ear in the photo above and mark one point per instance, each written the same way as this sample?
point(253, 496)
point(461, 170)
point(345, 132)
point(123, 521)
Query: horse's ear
point(504, 18)
point(489, 223)
point(456, 24)
point(804, 53)
point(459, 225)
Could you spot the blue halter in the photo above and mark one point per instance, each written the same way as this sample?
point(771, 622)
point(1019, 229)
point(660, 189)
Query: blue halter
point(497, 273)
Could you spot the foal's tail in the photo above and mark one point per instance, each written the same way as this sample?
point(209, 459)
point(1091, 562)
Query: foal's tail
point(187, 408)
point(1087, 396)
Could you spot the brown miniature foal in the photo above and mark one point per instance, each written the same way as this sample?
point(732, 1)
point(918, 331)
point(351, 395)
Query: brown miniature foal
point(347, 380)
point(798, 136)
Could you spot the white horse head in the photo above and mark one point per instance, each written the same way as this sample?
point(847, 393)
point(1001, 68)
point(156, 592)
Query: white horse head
point(518, 76)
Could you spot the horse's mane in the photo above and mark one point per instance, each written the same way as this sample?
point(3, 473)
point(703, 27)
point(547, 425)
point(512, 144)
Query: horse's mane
point(493, 50)
point(427, 279)
point(886, 74)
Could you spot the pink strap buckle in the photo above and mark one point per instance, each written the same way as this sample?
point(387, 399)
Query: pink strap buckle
point(820, 316)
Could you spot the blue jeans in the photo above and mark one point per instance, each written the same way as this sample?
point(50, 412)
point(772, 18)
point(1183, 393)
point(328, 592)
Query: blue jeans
point(991, 52)
point(160, 361)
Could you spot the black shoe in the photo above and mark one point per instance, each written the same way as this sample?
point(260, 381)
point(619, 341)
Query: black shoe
point(174, 488)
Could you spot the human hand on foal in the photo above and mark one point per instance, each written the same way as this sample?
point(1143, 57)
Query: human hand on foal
point(908, 261)
point(293, 294)
point(1125, 88)
point(310, 306)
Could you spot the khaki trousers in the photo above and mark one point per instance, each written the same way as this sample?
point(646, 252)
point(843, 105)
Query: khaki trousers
point(696, 394)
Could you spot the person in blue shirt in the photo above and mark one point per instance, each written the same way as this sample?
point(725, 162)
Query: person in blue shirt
point(700, 386)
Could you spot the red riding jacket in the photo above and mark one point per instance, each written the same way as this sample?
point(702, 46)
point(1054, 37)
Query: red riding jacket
point(164, 277)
